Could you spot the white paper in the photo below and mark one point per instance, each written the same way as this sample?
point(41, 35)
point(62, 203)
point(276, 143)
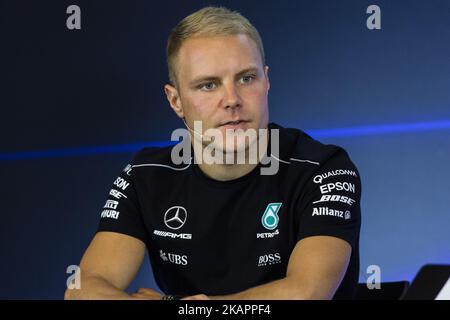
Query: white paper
point(444, 294)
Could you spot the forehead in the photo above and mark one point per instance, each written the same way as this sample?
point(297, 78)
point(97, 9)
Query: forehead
point(217, 55)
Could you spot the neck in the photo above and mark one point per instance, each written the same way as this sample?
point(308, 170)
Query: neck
point(226, 171)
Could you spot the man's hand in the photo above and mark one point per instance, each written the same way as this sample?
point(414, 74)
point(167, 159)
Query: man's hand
point(147, 294)
point(150, 294)
point(197, 297)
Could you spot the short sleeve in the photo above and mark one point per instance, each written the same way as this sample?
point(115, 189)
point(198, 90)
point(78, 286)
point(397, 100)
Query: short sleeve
point(330, 205)
point(121, 212)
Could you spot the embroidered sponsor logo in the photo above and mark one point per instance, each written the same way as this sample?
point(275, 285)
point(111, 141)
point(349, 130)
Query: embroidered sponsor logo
point(175, 217)
point(128, 169)
point(324, 211)
point(111, 204)
point(338, 186)
point(112, 214)
point(117, 194)
point(269, 259)
point(320, 177)
point(121, 183)
point(173, 258)
point(270, 217)
point(264, 235)
point(335, 198)
point(166, 234)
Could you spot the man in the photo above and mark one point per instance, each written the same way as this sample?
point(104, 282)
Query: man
point(225, 230)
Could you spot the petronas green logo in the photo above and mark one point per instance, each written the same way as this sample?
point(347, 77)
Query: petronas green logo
point(270, 218)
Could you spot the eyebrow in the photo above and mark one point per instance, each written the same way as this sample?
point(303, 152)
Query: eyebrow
point(201, 79)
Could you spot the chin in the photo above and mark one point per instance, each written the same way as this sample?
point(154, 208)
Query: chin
point(240, 144)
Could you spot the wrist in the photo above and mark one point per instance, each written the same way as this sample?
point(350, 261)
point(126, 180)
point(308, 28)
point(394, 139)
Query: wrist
point(170, 297)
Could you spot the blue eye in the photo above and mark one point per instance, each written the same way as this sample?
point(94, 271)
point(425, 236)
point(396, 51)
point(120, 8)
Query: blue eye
point(207, 86)
point(248, 78)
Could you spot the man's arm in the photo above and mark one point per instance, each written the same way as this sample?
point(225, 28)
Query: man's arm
point(316, 267)
point(108, 266)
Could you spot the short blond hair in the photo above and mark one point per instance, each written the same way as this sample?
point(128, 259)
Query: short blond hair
point(207, 22)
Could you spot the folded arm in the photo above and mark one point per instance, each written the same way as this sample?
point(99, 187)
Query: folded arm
point(108, 266)
point(316, 268)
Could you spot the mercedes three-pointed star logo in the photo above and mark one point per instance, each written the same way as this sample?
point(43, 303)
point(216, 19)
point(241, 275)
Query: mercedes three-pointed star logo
point(175, 217)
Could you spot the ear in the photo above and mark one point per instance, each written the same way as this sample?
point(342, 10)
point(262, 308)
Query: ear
point(174, 100)
point(266, 72)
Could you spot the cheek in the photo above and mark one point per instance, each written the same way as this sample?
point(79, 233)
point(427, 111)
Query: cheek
point(200, 104)
point(255, 97)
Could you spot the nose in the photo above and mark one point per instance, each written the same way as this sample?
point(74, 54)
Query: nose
point(231, 97)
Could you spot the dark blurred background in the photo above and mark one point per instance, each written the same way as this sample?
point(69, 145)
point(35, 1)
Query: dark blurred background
point(76, 104)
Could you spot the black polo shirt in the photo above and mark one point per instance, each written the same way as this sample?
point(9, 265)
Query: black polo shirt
point(222, 237)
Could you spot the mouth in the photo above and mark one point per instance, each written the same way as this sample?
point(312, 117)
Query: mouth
point(236, 124)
